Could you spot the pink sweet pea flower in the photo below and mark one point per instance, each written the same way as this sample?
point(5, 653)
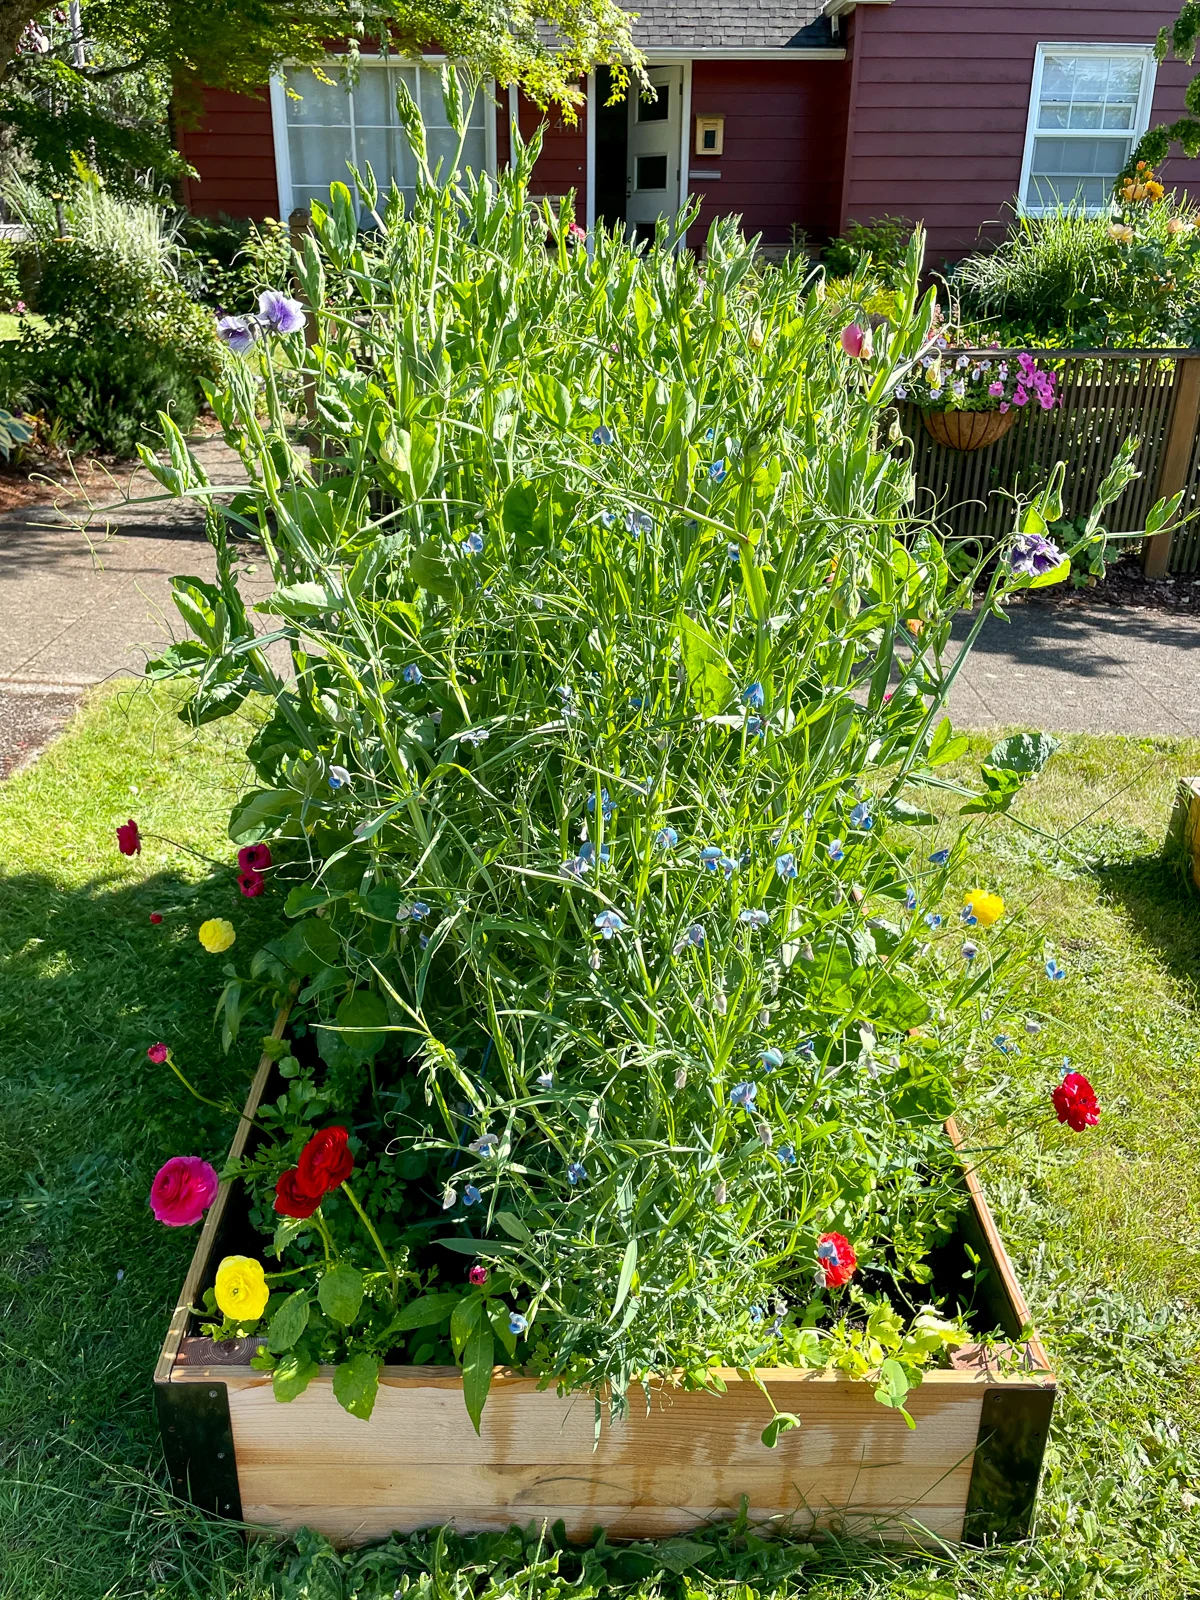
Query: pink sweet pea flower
point(856, 341)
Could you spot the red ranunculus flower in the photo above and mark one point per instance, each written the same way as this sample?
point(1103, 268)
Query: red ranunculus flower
point(325, 1163)
point(1075, 1101)
point(251, 884)
point(155, 918)
point(836, 1259)
point(157, 1053)
point(129, 840)
point(292, 1199)
point(183, 1189)
point(254, 858)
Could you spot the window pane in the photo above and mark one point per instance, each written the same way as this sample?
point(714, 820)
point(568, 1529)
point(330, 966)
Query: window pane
point(655, 110)
point(319, 102)
point(388, 153)
point(1080, 157)
point(373, 104)
point(1090, 91)
point(319, 156)
point(1048, 193)
point(651, 172)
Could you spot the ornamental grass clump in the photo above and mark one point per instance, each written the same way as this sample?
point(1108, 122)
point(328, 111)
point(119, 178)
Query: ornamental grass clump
point(598, 793)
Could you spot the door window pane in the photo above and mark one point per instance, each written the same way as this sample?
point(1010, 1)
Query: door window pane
point(656, 110)
point(651, 172)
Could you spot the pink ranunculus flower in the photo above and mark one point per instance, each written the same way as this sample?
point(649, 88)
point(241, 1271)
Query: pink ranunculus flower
point(856, 341)
point(182, 1191)
point(158, 1054)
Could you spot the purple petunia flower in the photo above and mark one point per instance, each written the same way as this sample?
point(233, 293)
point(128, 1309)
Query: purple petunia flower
point(278, 314)
point(1034, 555)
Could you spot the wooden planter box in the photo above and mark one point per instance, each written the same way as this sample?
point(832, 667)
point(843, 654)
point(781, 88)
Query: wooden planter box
point(968, 1471)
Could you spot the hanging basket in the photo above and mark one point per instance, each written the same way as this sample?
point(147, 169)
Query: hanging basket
point(968, 430)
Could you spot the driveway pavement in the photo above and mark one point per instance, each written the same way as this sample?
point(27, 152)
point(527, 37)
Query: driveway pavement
point(78, 607)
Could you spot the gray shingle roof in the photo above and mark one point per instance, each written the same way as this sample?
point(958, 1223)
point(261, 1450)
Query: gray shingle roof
point(713, 24)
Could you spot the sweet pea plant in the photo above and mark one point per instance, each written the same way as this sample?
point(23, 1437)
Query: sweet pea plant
point(625, 1024)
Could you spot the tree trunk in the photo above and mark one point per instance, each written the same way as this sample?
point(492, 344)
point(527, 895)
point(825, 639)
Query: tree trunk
point(15, 17)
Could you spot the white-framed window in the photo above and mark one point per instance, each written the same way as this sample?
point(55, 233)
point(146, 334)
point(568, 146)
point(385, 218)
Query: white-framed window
point(1089, 107)
point(321, 129)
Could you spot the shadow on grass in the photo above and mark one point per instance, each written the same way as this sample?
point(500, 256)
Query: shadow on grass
point(1164, 910)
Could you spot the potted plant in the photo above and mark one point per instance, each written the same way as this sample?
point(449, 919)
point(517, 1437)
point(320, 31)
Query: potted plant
point(603, 1172)
point(970, 399)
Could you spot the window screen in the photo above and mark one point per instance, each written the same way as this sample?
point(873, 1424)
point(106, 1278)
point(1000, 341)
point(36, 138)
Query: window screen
point(1087, 112)
point(336, 124)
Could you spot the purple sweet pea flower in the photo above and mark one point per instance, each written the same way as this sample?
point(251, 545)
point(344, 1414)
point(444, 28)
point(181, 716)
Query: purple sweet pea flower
point(237, 333)
point(278, 314)
point(1034, 554)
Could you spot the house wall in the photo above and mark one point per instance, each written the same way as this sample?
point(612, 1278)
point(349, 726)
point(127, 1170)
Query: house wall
point(784, 131)
point(940, 103)
point(232, 149)
point(562, 164)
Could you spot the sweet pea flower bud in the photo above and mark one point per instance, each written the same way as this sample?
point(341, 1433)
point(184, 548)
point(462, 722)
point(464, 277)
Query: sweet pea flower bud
point(856, 341)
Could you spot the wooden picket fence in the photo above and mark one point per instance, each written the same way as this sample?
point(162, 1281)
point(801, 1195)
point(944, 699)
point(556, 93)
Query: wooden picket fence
point(1107, 396)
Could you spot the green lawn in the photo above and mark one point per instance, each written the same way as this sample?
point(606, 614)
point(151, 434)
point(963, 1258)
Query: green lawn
point(1104, 1226)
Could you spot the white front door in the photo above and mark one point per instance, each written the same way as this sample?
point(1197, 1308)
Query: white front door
point(652, 177)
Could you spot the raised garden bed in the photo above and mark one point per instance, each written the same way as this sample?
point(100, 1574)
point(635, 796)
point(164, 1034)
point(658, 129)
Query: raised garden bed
point(969, 1470)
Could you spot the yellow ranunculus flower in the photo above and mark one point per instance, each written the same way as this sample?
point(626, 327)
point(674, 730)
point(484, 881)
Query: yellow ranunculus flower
point(985, 907)
point(216, 935)
point(241, 1288)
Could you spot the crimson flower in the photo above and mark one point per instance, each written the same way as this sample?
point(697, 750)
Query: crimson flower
point(251, 884)
point(478, 1274)
point(155, 918)
point(183, 1189)
point(129, 840)
point(254, 858)
point(836, 1259)
point(1075, 1102)
point(292, 1199)
point(157, 1054)
point(325, 1162)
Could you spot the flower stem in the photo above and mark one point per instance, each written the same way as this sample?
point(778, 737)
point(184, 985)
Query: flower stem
point(175, 845)
point(204, 1100)
point(367, 1224)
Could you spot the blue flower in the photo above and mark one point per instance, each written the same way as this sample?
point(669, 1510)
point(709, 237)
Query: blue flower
point(787, 1154)
point(940, 857)
point(601, 435)
point(771, 1059)
point(471, 1195)
point(910, 900)
point(807, 1049)
point(474, 736)
point(754, 918)
point(709, 435)
point(609, 922)
point(545, 1080)
point(969, 950)
point(754, 727)
point(338, 778)
point(742, 1094)
point(1003, 1044)
point(1032, 1025)
point(473, 543)
point(607, 518)
point(901, 392)
point(575, 867)
point(733, 552)
point(933, 919)
point(835, 851)
point(860, 817)
point(606, 805)
point(424, 940)
point(587, 852)
point(575, 1171)
point(420, 911)
point(637, 702)
point(694, 935)
point(754, 696)
point(785, 865)
point(517, 1324)
point(1053, 971)
point(411, 673)
point(757, 1314)
point(710, 855)
point(638, 522)
point(666, 838)
point(717, 471)
point(969, 917)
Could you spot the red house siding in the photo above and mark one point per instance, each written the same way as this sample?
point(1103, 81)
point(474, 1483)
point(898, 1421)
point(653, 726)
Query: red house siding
point(233, 151)
point(562, 164)
point(941, 102)
point(784, 131)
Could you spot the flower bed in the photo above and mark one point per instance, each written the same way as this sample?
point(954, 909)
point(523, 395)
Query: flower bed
point(631, 998)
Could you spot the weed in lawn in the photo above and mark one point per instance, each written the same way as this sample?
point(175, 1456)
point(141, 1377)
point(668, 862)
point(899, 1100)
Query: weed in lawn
point(1104, 1228)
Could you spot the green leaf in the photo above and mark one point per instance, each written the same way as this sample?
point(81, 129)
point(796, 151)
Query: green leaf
point(305, 897)
point(340, 1293)
point(183, 660)
point(1023, 752)
point(426, 1312)
point(781, 1422)
point(708, 682)
point(288, 1323)
point(429, 570)
point(356, 1383)
point(946, 745)
point(520, 506)
point(464, 1320)
point(293, 1374)
point(513, 1226)
point(363, 1009)
point(1044, 580)
point(904, 811)
point(259, 812)
point(894, 1387)
point(477, 1371)
point(628, 1268)
point(301, 600)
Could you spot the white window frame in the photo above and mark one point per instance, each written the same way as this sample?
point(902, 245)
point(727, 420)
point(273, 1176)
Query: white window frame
point(1141, 119)
point(279, 125)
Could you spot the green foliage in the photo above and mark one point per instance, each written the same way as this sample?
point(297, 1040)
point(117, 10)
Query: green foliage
point(1155, 144)
point(1064, 278)
point(120, 344)
point(225, 262)
point(880, 246)
point(587, 780)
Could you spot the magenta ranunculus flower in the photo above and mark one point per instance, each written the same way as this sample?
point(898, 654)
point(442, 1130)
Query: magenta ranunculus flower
point(278, 314)
point(157, 1053)
point(182, 1191)
point(129, 840)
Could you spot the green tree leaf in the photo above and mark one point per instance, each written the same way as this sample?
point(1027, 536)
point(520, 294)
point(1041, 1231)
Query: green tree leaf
point(425, 1313)
point(782, 1422)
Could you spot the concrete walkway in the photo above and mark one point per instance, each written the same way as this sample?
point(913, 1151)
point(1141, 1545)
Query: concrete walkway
point(78, 608)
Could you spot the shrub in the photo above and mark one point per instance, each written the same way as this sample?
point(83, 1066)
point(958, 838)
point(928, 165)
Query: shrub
point(880, 245)
point(228, 260)
point(597, 796)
